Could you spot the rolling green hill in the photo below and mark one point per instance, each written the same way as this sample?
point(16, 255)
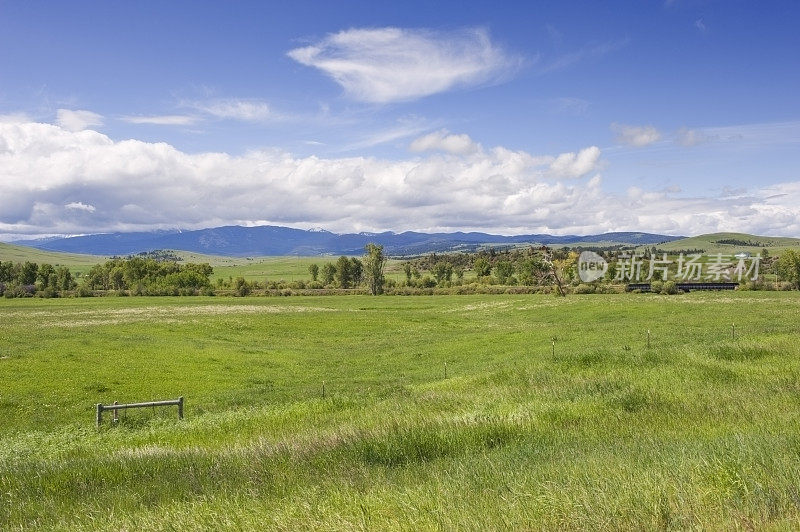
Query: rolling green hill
point(76, 262)
point(729, 243)
point(251, 268)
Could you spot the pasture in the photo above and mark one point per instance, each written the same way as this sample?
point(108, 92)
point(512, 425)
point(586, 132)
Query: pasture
point(553, 413)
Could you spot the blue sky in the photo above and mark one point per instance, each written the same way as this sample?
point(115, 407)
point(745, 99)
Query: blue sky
point(679, 117)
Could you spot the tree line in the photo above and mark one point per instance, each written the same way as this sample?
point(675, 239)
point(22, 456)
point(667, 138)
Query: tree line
point(25, 279)
point(526, 269)
point(134, 276)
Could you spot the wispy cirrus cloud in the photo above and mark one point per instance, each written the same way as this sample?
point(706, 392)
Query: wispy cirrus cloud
point(162, 120)
point(591, 51)
point(383, 65)
point(700, 25)
point(403, 128)
point(691, 137)
point(235, 109)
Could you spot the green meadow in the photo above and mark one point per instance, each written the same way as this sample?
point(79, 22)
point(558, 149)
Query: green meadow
point(446, 412)
point(279, 268)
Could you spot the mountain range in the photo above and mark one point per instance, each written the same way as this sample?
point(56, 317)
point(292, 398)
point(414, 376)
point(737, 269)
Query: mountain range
point(268, 240)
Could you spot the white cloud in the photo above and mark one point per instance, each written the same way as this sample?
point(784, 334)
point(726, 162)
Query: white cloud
point(442, 141)
point(14, 118)
point(393, 64)
point(571, 165)
point(162, 120)
point(635, 135)
point(79, 206)
point(404, 128)
point(77, 120)
point(233, 109)
point(57, 181)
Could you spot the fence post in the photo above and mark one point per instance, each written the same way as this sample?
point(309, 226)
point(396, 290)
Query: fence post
point(180, 407)
point(116, 413)
point(99, 416)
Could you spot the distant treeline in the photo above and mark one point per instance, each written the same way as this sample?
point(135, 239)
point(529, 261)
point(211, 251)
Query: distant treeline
point(25, 279)
point(148, 276)
point(134, 276)
point(737, 242)
point(160, 255)
point(517, 270)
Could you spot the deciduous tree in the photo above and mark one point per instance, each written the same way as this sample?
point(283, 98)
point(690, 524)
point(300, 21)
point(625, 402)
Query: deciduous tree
point(374, 262)
point(788, 267)
point(314, 271)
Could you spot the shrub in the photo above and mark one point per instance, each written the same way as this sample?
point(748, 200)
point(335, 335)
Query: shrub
point(242, 287)
point(84, 291)
point(427, 282)
point(48, 293)
point(657, 287)
point(584, 289)
point(669, 288)
point(19, 290)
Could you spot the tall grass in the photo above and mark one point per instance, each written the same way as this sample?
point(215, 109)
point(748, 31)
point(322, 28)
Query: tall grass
point(599, 433)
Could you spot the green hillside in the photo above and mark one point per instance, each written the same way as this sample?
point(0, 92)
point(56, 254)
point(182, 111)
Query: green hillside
point(729, 243)
point(251, 268)
point(76, 262)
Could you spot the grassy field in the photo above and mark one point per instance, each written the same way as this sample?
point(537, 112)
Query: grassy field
point(715, 243)
point(282, 268)
point(554, 412)
point(251, 268)
point(76, 262)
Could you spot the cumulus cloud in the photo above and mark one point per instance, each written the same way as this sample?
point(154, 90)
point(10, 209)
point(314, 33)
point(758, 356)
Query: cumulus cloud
point(162, 120)
point(571, 165)
point(59, 181)
point(14, 117)
point(393, 64)
point(635, 135)
point(442, 141)
point(233, 109)
point(77, 120)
